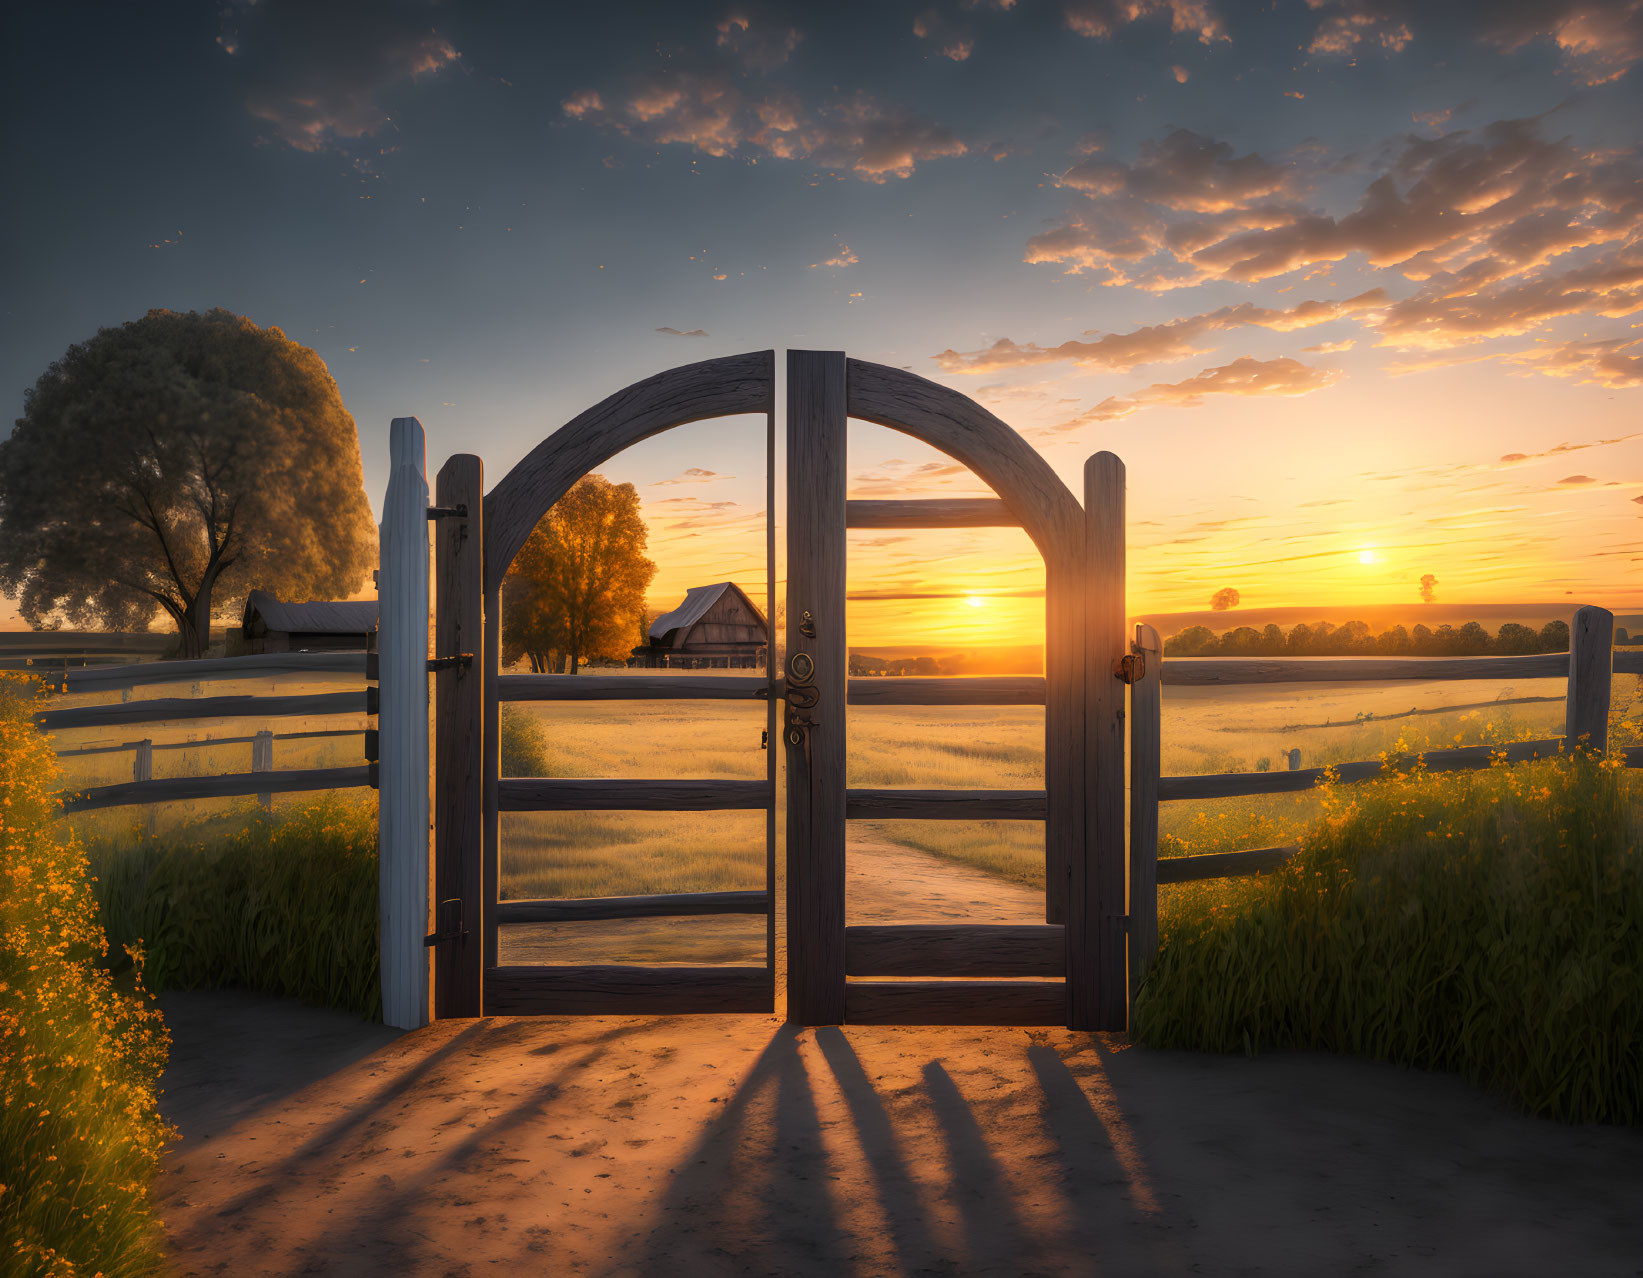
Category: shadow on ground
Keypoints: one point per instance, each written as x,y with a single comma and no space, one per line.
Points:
738,1145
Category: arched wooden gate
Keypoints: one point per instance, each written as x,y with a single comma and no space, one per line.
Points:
1075,961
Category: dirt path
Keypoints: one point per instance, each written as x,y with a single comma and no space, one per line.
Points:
689,1146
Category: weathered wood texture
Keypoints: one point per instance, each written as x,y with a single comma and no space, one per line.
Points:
1146,743
668,905
205,743
930,512
924,690
170,709
459,700
258,666
1229,785
581,794
142,773
1220,865
1035,496
228,786
1591,648
956,1002
945,805
955,949
626,991
1187,672
1628,662
402,672
712,388
491,791
816,406
73,642
262,760
1097,987
632,687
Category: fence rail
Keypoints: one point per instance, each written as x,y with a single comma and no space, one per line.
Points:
1588,667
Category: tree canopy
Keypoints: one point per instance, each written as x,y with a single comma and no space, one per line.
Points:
576,590
174,463
1355,639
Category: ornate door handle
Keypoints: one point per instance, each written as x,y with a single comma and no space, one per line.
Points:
802,695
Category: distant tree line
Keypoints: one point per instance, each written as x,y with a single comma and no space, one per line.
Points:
1355,639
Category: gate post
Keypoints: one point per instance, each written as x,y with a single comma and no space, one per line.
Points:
459,684
402,767
814,733
1591,660
1097,995
1146,746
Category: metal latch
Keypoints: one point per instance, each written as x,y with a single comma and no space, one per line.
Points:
448,919
448,512
1131,667
459,661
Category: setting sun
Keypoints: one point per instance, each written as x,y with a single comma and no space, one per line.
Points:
975,601
1366,556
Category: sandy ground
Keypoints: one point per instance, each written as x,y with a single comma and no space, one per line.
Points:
314,1143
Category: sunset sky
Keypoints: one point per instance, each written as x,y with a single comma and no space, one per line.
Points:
1354,287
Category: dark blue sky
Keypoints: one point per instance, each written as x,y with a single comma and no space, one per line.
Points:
483,214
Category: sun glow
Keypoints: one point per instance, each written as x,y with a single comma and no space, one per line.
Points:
975,601
1366,556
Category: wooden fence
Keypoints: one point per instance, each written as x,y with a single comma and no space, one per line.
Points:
262,779
1587,667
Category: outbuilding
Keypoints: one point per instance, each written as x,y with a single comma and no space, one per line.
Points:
716,626
343,625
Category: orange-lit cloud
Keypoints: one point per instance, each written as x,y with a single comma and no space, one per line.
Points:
1101,19
950,38
1156,343
757,46
316,73
1246,376
692,332
692,475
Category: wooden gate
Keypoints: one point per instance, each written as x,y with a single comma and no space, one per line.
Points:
1073,963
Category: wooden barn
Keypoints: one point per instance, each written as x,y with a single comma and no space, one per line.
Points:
715,626
331,626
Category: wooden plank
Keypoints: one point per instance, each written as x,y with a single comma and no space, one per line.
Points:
930,512
814,734
74,642
206,742
459,745
945,805
1234,784
1222,865
262,760
1628,661
668,905
1632,756
713,388
582,794
404,919
631,687
1197,672
1146,741
1591,649
927,690
955,949
491,797
956,1002
172,709
1097,985
232,785
254,666
627,991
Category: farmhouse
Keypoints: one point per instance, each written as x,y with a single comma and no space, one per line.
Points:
715,626
335,626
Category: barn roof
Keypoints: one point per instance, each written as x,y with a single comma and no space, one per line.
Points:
698,599
331,617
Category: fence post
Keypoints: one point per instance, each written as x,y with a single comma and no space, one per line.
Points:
1146,751
402,768
142,769
262,760
1591,661
1097,985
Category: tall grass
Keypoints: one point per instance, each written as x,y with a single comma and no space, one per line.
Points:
80,1054
1488,923
284,906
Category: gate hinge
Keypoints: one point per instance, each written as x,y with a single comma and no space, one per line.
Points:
1131,667
448,919
448,512
460,661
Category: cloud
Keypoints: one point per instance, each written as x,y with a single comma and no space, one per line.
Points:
758,47
694,332
897,477
1330,348
694,475
844,257
1616,362
1102,19
1246,376
1577,479
1181,74
1156,343
318,74
951,39
1511,459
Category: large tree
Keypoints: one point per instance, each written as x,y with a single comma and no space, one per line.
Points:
577,587
172,464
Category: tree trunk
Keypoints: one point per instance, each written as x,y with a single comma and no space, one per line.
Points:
573,661
195,626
